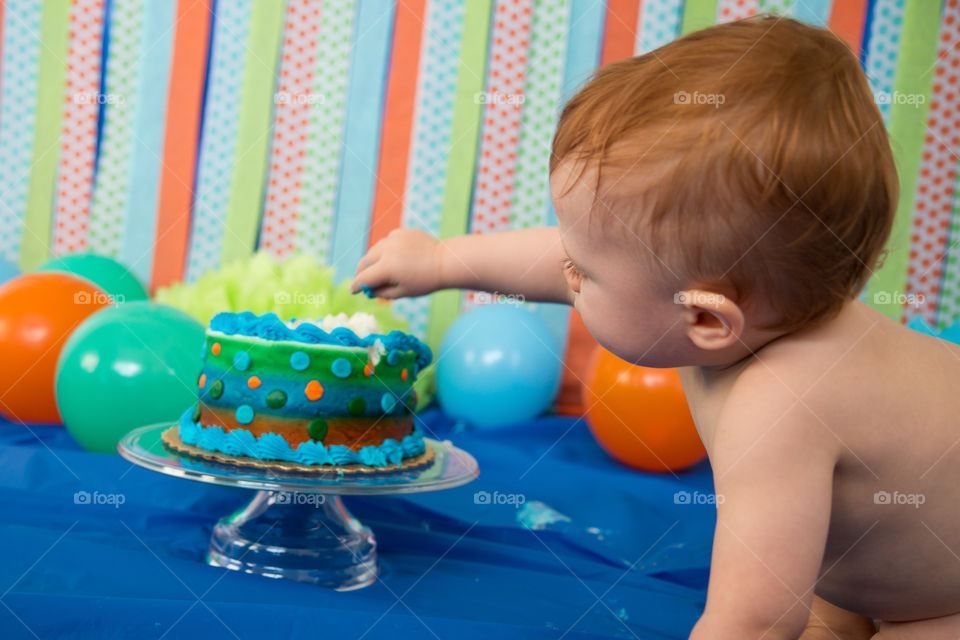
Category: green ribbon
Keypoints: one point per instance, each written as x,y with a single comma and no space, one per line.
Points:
467,116
51,87
908,128
256,113
698,14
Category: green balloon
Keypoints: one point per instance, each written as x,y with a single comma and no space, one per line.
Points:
106,273
127,366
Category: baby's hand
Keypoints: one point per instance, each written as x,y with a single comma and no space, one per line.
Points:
405,263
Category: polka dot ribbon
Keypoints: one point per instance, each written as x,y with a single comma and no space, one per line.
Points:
882,43
730,10
816,12
111,195
549,38
503,100
431,136
883,48
779,7
658,23
936,198
294,103
323,143
18,95
74,182
538,119
218,140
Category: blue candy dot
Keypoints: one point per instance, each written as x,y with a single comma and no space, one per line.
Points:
392,357
241,361
367,291
244,414
388,403
341,368
299,361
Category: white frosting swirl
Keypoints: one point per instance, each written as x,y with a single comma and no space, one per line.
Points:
362,324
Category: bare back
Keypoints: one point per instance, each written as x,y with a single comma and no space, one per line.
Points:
890,397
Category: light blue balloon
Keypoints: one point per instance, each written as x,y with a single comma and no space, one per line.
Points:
8,271
498,364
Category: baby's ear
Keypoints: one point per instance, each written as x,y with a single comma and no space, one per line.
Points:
711,320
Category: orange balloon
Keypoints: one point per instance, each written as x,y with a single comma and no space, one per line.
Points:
640,415
38,312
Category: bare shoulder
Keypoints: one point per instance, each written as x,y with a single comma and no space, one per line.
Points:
857,376
769,416
804,387
859,353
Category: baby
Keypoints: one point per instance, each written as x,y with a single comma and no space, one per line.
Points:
721,201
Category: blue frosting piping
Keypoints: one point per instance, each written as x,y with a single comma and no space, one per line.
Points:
272,446
270,327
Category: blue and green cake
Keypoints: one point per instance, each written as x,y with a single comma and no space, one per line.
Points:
311,395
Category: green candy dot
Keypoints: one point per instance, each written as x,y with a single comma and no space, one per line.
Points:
276,399
356,406
317,429
216,389
196,413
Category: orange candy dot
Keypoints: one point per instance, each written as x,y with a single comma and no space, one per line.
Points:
368,370
314,390
203,380
403,375
215,349
253,382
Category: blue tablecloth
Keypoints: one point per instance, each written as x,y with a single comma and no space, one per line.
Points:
623,556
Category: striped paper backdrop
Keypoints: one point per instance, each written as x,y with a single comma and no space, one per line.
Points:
19,64
178,135
78,140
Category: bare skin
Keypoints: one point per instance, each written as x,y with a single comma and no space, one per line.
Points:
836,447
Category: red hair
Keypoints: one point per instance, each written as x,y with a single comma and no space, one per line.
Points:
750,155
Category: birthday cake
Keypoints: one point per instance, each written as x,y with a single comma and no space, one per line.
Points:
316,395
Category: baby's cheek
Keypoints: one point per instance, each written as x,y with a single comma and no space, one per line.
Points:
618,328
595,311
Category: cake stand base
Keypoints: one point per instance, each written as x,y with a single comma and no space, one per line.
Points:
296,526
308,537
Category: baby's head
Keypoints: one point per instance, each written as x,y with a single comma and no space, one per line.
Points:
730,187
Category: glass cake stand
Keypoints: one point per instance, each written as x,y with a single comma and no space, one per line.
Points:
296,526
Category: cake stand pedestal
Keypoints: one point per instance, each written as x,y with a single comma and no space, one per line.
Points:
296,526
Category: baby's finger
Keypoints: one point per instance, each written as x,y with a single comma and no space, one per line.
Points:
367,261
370,277
389,292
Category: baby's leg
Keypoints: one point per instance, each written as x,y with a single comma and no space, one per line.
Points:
945,628
828,622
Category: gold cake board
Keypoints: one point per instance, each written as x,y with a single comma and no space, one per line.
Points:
171,438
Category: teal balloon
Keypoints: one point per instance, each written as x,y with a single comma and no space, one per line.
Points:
127,366
950,334
106,273
498,364
8,271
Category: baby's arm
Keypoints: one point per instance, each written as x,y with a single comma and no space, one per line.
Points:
773,470
409,262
